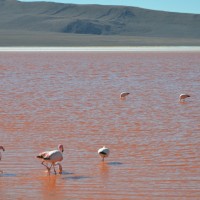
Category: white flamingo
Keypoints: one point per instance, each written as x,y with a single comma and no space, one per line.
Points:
182,97
104,152
52,157
123,95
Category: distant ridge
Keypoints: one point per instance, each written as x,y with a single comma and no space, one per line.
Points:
57,19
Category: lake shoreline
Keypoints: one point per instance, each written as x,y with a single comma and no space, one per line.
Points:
101,49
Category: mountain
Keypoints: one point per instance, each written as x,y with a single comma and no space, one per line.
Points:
56,20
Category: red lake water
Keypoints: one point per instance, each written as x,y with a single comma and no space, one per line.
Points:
72,98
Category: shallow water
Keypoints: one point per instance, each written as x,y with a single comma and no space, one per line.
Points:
72,98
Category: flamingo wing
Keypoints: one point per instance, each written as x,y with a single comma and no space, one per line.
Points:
54,156
103,151
42,155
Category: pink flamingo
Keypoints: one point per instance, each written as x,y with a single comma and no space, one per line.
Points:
52,157
182,97
123,95
1,147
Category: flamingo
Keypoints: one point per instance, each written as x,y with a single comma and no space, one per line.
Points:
1,147
52,157
104,152
123,95
182,97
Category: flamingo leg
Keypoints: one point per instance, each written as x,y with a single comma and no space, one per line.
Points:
48,168
54,168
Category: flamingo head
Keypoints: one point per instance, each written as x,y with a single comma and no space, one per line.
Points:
60,147
60,168
1,147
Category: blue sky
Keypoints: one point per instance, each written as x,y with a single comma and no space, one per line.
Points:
184,6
